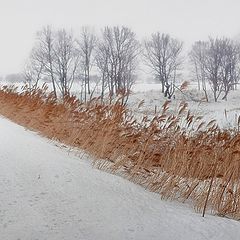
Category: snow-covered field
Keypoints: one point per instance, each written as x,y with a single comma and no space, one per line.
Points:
47,192
226,113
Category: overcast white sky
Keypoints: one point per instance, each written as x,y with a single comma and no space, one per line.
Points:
188,20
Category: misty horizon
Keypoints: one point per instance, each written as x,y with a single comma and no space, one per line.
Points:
188,21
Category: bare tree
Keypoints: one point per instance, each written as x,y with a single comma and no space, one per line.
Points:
44,54
34,69
32,74
86,45
229,67
197,58
117,59
162,55
54,56
218,62
66,61
102,62
212,65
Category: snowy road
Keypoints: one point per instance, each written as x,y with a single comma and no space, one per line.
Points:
46,193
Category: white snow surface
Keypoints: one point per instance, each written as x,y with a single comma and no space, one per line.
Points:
47,192
225,113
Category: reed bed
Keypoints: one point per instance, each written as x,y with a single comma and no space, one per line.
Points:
176,155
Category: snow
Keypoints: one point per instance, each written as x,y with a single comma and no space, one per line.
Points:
225,113
49,192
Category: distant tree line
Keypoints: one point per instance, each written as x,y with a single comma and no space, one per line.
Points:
63,59
216,61
113,56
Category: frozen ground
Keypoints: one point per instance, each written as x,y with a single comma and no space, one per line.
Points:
48,193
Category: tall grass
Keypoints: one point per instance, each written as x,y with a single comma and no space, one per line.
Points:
178,156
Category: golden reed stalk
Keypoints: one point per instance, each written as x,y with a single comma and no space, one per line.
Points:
178,156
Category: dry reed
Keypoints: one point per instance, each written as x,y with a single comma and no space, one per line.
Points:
178,156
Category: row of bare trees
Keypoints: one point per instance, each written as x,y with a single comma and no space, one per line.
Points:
54,57
59,57
114,55
217,62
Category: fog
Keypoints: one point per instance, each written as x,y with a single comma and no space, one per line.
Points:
188,20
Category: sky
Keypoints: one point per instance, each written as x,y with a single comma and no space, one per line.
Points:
187,20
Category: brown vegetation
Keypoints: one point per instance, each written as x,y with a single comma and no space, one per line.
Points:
178,156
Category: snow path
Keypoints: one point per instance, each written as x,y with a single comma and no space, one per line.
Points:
46,193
